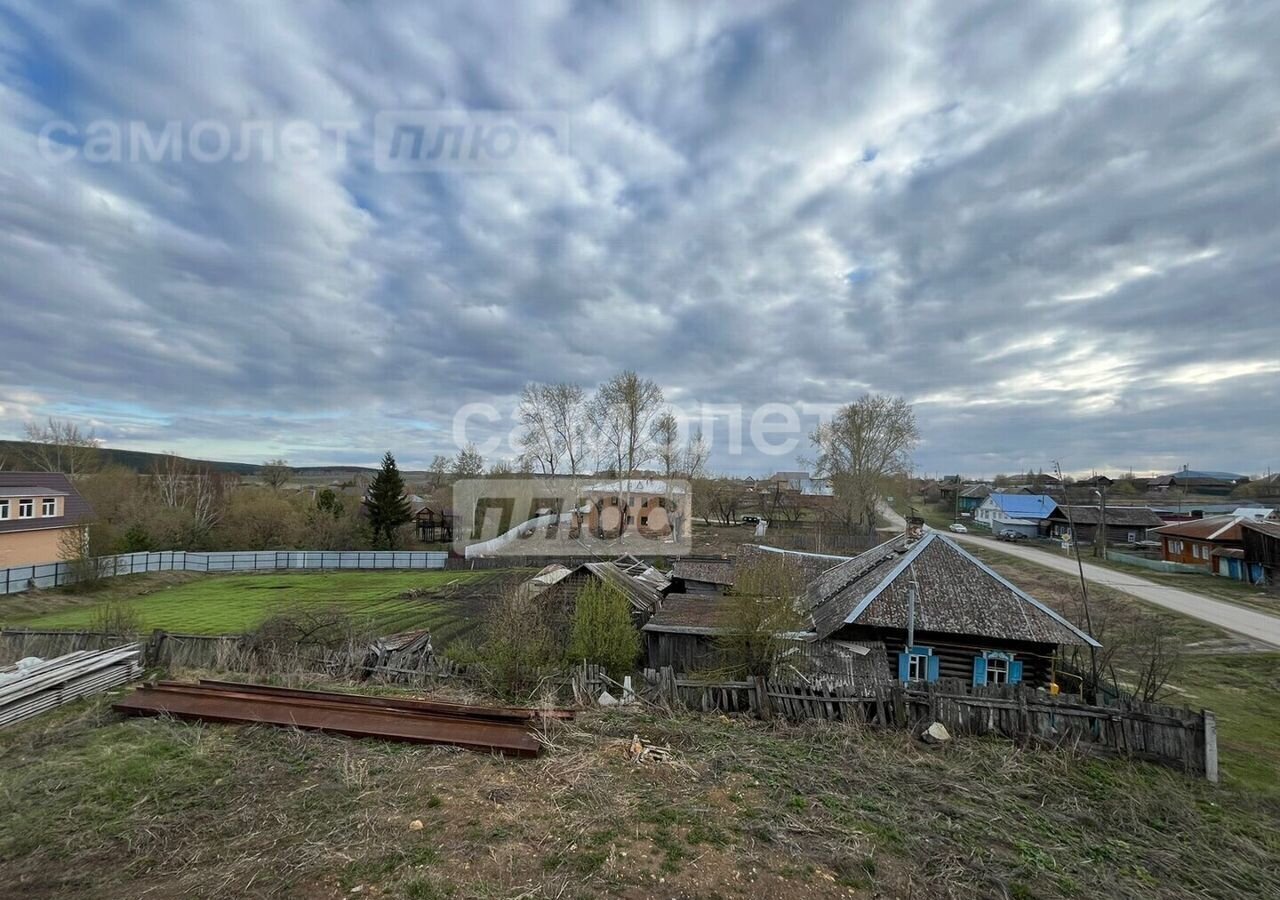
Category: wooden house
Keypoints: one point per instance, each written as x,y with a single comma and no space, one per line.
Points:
919,607
1125,524
940,613
641,584
1215,543
1261,552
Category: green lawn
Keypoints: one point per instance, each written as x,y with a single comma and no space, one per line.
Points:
232,604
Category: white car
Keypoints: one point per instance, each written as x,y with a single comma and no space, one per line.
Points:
958,528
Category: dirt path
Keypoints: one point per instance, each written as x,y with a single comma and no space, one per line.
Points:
1256,625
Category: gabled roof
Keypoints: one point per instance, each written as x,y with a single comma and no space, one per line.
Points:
1210,528
958,594
643,591
75,509
1022,506
979,491
1120,516
1271,529
811,565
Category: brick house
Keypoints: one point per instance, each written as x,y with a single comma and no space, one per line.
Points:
37,512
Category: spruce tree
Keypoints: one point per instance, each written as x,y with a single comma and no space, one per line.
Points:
386,503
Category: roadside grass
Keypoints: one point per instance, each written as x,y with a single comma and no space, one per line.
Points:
1215,586
232,604
1239,683
92,805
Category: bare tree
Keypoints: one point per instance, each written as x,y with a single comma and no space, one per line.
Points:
865,445
666,443
468,463
275,473
438,471
193,487
622,414
60,446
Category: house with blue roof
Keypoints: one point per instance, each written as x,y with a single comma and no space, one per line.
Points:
1023,513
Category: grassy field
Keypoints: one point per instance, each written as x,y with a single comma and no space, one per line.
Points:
94,806
1239,682
230,604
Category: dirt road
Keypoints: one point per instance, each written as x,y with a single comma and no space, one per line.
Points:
1256,625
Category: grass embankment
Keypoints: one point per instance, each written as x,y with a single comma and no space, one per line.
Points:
232,604
93,806
1216,671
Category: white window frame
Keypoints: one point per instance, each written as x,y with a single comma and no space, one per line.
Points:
29,504
917,667
997,665
4,509
48,507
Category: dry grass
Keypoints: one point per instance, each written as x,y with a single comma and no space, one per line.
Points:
93,806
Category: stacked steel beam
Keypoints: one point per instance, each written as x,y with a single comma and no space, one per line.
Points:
507,730
32,687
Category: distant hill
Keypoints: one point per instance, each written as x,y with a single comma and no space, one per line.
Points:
14,452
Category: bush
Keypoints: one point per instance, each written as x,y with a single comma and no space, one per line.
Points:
603,632
763,609
520,644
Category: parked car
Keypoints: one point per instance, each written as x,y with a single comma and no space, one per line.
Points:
1010,535
750,520
959,529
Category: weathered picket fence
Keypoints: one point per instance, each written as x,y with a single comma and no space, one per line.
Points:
1168,735
240,653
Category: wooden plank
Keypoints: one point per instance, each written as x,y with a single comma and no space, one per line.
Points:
1210,746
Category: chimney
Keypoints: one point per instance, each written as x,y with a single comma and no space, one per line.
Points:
1197,513
915,528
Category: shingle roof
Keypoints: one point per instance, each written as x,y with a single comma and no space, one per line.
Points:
979,491
713,570
75,509
811,565
957,594
1023,506
692,614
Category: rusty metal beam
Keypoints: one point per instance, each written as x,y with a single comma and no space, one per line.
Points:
190,702
412,704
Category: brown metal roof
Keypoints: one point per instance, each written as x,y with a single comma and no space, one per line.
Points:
75,508
1225,529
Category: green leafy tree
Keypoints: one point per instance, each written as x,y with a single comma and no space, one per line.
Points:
603,632
386,503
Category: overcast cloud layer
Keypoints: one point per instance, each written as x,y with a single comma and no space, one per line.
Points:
1055,227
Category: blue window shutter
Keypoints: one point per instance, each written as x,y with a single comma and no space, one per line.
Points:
1015,672
904,666
979,670
933,668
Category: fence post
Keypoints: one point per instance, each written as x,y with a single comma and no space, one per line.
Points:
1210,745
899,696
762,698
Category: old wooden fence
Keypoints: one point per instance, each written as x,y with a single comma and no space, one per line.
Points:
1168,735
235,653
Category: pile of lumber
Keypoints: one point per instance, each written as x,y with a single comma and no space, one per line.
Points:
506,730
33,686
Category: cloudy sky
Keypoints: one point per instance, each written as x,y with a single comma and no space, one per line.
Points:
1054,227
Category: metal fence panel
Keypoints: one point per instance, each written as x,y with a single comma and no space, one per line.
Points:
17,579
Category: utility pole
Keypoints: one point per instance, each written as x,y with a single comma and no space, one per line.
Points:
1100,536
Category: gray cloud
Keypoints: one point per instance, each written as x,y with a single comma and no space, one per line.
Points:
1054,227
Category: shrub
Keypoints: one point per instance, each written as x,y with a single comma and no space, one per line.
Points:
602,629
763,609
519,642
